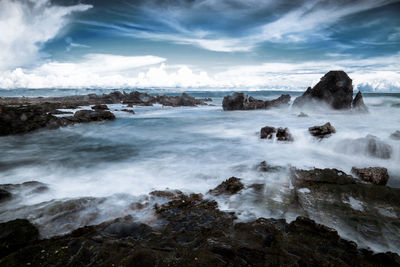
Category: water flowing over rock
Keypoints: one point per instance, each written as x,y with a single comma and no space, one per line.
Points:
92,115
194,231
230,186
374,175
358,103
100,107
395,135
240,101
302,115
322,131
281,134
334,89
369,145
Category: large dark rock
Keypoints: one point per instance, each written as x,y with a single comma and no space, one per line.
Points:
267,132
4,195
334,89
193,231
358,103
322,131
230,186
240,101
374,175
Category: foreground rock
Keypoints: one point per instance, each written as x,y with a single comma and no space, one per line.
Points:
193,232
240,101
375,175
334,89
323,131
281,134
365,213
358,103
369,145
230,186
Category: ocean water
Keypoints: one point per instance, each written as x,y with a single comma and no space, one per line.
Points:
102,168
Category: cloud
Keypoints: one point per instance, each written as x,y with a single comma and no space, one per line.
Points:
26,25
381,74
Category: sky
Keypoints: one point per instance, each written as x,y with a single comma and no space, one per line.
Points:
198,44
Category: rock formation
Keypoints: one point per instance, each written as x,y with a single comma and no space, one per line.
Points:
240,101
322,131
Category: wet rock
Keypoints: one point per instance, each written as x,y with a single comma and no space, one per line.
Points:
92,115
168,194
302,115
334,89
369,145
265,167
100,107
395,135
4,195
267,132
177,101
230,186
322,131
396,105
358,103
59,112
138,98
128,110
240,101
283,134
15,235
374,175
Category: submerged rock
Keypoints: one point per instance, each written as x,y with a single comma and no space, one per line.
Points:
369,145
4,195
93,115
395,135
128,110
358,103
322,131
240,101
334,89
374,175
100,107
230,186
265,167
302,115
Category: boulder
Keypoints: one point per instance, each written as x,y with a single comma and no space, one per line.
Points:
358,103
395,135
374,175
283,134
93,115
240,101
267,132
100,107
334,89
230,186
322,131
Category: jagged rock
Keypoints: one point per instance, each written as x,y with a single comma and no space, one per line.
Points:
240,101
93,115
283,134
267,132
100,107
374,175
369,145
322,131
4,195
302,115
358,103
193,230
395,135
128,110
230,186
335,89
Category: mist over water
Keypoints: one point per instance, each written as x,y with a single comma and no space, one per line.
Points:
111,165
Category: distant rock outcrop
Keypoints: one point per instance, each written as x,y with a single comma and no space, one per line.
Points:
334,89
240,101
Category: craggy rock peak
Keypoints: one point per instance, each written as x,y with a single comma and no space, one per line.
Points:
366,213
240,101
322,131
335,89
281,134
374,175
193,232
358,103
24,119
230,186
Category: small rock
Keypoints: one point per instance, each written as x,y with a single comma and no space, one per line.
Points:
283,134
230,186
322,131
267,132
100,107
4,195
265,167
395,135
128,110
374,175
302,115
